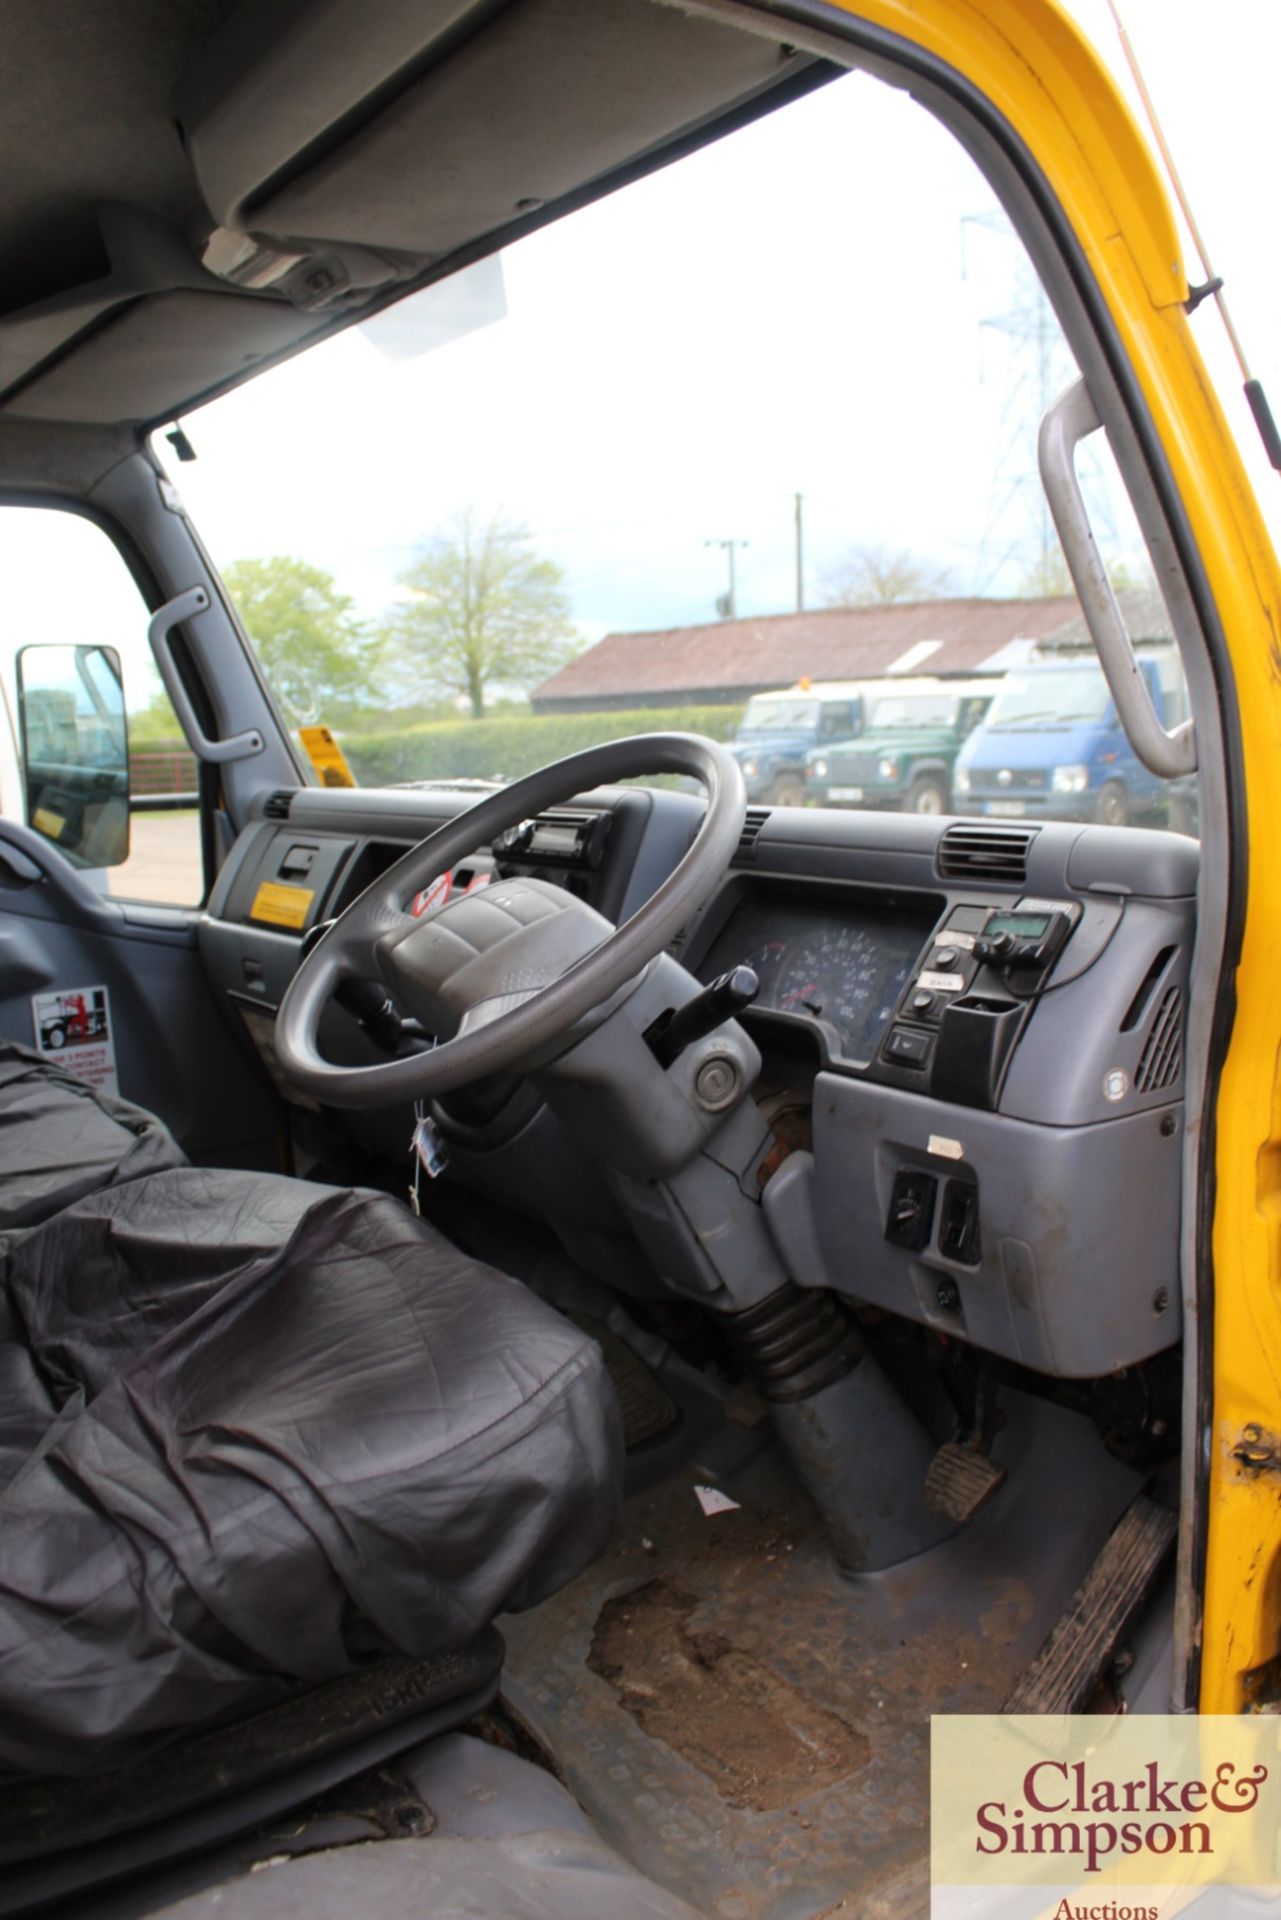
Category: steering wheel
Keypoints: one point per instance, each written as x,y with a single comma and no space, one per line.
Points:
512,972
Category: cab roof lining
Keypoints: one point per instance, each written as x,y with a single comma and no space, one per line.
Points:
446,130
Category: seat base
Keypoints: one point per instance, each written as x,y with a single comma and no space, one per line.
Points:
58,1837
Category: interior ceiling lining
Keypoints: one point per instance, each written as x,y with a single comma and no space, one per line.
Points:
553,103
89,116
553,94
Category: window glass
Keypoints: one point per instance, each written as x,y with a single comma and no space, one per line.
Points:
1050,697
923,710
740,434
777,715
67,585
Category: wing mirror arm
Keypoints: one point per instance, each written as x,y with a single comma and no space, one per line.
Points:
183,606
1068,421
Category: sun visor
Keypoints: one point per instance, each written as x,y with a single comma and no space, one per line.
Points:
496,113
150,359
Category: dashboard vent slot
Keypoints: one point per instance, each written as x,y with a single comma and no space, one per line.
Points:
985,853
752,824
1161,1061
276,806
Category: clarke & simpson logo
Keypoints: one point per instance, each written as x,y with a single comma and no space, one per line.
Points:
1072,1818
1152,1812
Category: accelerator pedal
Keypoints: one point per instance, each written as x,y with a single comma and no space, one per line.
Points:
1067,1670
960,1481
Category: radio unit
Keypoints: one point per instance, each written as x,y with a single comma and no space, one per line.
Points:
563,837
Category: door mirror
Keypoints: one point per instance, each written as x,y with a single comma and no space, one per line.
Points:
75,751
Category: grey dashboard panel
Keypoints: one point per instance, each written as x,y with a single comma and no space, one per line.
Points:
1065,1274
1108,1038
910,849
1061,1272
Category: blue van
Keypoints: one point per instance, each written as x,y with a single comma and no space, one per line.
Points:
1052,748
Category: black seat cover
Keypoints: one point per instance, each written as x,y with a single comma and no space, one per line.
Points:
255,1432
59,1139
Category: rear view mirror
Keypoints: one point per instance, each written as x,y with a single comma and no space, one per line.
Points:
75,751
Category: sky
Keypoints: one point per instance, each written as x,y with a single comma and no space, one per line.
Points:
829,302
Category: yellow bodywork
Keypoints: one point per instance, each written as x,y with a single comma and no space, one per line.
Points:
1031,61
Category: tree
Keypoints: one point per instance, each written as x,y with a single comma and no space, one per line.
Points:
880,576
1046,576
314,651
481,610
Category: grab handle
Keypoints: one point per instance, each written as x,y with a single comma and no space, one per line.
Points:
238,746
1067,422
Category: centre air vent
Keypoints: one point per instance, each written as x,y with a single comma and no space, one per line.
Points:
755,819
981,852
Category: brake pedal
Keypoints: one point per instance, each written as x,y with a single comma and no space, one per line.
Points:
960,1482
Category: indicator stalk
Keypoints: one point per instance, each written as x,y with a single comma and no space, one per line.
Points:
721,1000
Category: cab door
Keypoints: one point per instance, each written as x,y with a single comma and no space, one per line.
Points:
102,845
1035,104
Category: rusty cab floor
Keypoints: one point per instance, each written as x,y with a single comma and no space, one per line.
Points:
751,1728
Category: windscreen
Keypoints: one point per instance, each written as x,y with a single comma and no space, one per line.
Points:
1050,697
924,710
651,474
777,716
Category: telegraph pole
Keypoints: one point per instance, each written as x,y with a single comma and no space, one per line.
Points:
799,500
727,607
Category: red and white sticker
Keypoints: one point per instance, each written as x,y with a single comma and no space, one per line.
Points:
74,1028
431,896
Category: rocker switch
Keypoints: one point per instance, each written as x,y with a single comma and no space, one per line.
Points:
959,1231
911,1216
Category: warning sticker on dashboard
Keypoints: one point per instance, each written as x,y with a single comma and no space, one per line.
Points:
282,906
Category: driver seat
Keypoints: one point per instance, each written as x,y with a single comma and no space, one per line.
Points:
256,1434
61,1139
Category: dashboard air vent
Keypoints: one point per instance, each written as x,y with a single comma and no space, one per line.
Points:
755,820
980,852
1161,1061
276,806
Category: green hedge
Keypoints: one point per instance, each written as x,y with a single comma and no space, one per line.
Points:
507,747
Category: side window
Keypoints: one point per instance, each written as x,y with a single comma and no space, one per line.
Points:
66,585
837,722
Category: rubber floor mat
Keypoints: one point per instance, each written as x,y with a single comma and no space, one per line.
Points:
751,1729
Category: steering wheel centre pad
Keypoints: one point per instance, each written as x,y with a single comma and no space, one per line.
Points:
507,980
488,952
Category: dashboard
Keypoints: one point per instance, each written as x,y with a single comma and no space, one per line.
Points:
983,1022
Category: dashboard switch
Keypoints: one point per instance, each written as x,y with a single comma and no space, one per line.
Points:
911,1216
908,1045
922,1002
959,1225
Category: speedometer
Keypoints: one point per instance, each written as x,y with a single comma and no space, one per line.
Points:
848,975
841,969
